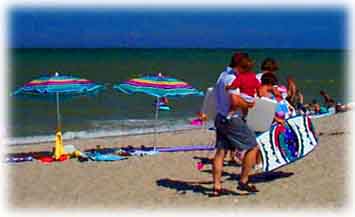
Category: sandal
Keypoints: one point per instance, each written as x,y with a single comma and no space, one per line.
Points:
247,187
218,192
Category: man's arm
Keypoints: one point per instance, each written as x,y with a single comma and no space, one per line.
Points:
238,102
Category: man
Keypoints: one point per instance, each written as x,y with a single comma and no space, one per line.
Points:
233,133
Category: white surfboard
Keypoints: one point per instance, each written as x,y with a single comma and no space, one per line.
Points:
209,104
260,117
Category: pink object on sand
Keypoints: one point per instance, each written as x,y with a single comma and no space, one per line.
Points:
196,122
199,165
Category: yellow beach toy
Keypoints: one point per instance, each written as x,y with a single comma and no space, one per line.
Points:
59,147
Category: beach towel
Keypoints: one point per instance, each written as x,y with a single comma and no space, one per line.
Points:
143,153
96,156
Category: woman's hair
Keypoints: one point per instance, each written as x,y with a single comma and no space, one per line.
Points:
269,79
270,65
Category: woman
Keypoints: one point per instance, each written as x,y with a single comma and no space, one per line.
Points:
269,65
294,95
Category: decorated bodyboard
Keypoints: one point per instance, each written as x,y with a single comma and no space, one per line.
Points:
260,117
284,144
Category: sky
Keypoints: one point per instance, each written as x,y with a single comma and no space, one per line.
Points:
322,28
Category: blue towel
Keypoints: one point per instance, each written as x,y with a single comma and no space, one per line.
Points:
96,156
14,159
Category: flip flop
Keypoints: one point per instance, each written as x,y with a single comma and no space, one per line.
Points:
247,187
219,192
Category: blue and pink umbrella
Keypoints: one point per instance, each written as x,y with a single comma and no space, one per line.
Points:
158,86
56,86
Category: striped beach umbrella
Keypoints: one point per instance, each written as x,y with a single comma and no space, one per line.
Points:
158,86
57,86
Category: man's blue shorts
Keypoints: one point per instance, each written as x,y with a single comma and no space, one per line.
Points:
233,134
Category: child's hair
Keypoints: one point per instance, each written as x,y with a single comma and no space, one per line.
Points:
269,79
242,60
270,65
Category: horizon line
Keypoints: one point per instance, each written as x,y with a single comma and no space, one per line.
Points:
207,48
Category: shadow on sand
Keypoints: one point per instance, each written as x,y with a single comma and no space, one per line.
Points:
258,177
184,186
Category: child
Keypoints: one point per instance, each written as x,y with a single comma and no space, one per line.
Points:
283,110
199,121
247,83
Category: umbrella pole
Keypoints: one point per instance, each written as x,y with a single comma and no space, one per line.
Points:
156,122
58,113
59,148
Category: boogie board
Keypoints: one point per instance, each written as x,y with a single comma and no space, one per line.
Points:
259,118
209,104
284,144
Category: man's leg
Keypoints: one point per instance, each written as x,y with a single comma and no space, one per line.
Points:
218,167
248,163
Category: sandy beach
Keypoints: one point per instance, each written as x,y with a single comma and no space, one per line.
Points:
321,180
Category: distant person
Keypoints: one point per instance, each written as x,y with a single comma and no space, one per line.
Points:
316,108
343,107
268,65
294,95
200,120
328,101
163,101
299,101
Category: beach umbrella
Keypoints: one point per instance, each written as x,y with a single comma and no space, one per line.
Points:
157,86
56,87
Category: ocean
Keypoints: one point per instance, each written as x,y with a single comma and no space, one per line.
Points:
111,113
